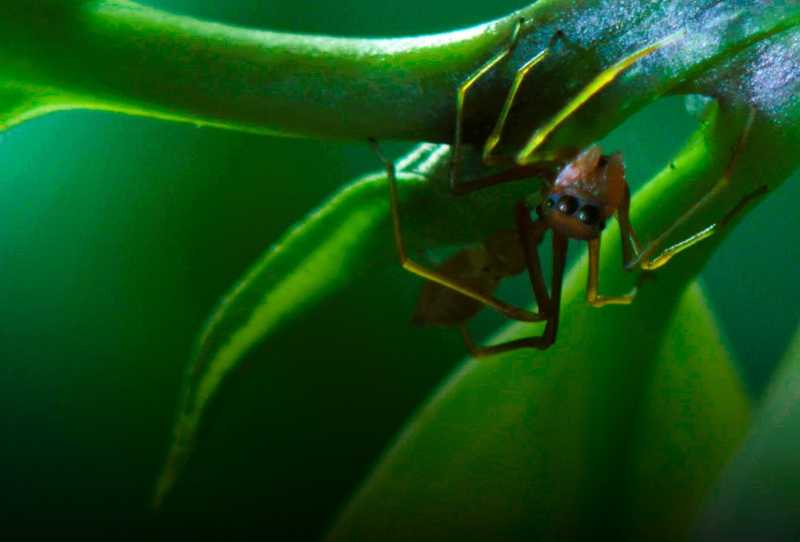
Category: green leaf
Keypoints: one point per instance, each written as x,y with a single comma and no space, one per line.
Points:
334,245
331,248
18,105
619,430
575,438
351,231
312,260
759,495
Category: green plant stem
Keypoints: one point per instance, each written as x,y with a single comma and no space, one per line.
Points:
119,56
116,55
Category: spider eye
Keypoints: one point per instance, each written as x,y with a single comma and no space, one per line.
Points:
549,202
589,215
567,205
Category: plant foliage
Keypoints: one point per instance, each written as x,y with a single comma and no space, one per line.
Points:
523,444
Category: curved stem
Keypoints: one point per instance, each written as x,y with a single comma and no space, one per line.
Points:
119,56
116,55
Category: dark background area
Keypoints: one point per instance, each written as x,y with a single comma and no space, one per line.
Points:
117,237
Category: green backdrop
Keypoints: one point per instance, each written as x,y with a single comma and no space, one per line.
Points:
117,237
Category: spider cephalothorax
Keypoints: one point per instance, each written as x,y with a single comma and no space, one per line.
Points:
585,194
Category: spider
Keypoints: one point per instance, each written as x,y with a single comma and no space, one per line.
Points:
580,194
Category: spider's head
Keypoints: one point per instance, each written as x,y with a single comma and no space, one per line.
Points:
585,194
573,215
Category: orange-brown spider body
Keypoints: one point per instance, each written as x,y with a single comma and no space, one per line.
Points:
585,194
482,268
576,203
579,198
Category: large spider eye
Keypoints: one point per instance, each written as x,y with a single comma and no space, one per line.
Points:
567,205
588,215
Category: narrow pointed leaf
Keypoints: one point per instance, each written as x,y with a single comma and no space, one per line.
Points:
347,237
319,254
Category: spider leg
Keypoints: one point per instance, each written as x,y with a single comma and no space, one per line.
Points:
538,169
510,311
649,262
494,137
545,170
455,159
705,233
594,298
548,337
497,132
630,242
531,234
601,81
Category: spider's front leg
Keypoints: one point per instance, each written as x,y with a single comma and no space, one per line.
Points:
630,250
517,172
531,235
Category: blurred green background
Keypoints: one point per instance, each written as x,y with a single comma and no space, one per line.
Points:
117,237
